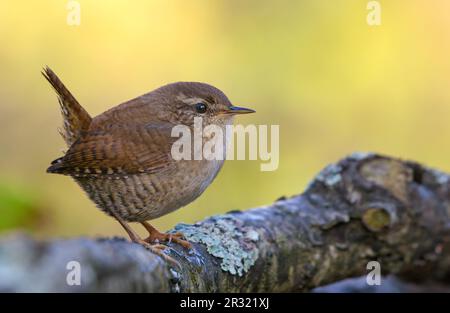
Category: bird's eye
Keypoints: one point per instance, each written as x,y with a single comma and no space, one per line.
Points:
201,108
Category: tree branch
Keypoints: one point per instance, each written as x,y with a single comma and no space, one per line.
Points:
364,208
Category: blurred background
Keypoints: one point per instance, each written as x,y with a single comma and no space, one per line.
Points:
333,83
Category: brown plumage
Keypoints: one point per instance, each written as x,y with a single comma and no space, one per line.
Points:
122,157
76,119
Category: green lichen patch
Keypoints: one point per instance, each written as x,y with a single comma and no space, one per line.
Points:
360,155
440,177
226,238
330,175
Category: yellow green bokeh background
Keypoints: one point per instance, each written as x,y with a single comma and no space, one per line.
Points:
333,83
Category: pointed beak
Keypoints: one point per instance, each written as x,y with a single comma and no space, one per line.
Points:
238,110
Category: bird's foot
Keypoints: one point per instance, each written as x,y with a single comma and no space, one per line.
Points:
158,250
158,237
155,248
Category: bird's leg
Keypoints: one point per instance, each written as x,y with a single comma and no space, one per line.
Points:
157,236
156,248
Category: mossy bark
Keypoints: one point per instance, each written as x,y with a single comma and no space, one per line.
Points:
364,208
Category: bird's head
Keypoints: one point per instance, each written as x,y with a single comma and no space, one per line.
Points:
187,100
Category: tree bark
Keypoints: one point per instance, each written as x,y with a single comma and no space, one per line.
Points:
364,208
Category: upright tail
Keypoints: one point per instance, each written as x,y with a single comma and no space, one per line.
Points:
76,119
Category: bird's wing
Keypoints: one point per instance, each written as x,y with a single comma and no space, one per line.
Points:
118,151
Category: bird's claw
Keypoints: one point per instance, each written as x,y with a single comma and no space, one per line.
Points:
157,237
158,250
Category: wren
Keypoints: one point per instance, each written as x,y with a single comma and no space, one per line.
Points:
122,157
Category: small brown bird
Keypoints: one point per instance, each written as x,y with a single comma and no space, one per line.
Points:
122,157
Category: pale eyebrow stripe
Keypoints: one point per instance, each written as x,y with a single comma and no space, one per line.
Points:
189,100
